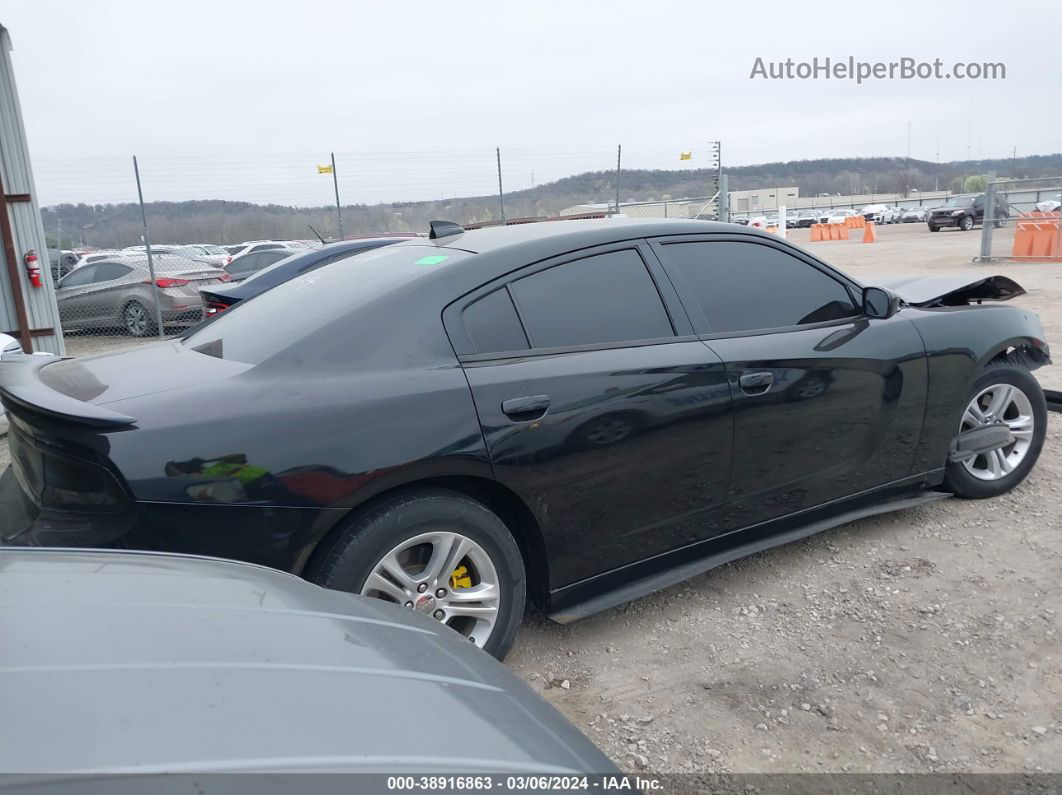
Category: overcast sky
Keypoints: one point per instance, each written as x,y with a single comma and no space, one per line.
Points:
243,100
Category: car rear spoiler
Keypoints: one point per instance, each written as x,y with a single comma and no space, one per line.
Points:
20,385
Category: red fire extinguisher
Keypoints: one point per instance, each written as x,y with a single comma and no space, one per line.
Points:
33,268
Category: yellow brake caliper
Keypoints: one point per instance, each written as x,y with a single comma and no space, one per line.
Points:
460,579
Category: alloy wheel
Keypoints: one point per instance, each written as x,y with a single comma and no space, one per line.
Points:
1006,404
444,575
136,320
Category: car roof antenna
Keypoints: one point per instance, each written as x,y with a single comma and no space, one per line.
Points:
444,229
318,235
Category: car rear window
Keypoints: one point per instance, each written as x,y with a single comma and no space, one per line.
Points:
283,317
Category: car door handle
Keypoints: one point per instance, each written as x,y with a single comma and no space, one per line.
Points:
756,383
524,409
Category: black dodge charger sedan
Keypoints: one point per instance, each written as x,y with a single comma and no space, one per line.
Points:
582,411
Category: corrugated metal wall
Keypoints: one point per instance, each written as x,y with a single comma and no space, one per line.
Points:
17,177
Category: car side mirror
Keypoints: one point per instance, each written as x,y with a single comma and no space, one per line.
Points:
879,303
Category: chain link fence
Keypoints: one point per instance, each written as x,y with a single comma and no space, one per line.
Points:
211,220
1026,221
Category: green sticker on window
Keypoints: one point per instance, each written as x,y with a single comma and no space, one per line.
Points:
433,260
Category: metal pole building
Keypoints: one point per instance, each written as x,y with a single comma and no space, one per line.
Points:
26,312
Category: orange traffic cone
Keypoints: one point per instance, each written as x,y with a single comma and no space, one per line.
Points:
869,235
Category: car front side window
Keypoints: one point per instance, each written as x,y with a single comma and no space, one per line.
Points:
750,286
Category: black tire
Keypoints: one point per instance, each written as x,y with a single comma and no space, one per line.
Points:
957,479
933,228
345,561
966,223
137,320
999,224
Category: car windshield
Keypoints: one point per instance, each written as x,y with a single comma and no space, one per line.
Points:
290,312
213,249
959,201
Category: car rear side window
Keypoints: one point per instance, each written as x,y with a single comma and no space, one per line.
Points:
109,271
751,286
493,325
600,299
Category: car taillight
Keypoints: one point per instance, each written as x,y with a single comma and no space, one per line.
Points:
228,260
163,281
225,277
61,481
213,307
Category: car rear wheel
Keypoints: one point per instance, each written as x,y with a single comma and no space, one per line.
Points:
1005,394
136,320
436,552
967,223
933,228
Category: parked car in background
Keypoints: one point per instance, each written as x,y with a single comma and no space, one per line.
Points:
102,254
182,664
838,216
255,246
249,263
218,299
409,426
1051,204
204,252
741,219
964,212
61,262
160,248
117,293
806,218
912,215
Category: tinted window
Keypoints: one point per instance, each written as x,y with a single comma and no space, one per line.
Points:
746,286
493,325
607,298
109,271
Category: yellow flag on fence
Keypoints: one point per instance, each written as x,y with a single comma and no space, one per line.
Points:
685,155
324,169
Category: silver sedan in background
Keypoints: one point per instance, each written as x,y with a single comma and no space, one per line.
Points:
117,293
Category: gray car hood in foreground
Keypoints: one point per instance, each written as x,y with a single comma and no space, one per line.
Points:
950,289
142,662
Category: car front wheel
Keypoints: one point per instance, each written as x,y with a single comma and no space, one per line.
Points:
967,223
933,228
1005,394
439,553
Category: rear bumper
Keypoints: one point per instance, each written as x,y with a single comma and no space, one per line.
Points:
277,537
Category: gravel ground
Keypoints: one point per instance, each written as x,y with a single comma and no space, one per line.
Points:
927,640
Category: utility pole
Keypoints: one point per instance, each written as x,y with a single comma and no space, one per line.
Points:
335,184
147,245
619,155
501,193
